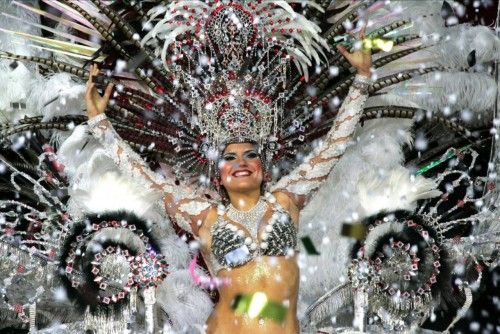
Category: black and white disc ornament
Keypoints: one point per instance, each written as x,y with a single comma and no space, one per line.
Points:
399,263
109,255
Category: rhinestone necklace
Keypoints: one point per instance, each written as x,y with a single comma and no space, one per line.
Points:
250,219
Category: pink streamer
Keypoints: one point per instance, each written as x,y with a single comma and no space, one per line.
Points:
206,282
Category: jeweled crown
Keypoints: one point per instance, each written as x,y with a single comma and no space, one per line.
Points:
233,61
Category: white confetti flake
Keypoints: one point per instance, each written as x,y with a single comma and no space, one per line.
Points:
421,143
333,71
60,294
121,65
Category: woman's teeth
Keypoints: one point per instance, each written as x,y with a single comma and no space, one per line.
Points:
241,173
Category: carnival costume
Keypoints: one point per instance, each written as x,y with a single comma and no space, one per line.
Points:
87,239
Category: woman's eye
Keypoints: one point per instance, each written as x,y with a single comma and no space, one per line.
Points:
252,155
229,157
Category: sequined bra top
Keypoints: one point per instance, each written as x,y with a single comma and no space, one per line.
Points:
234,244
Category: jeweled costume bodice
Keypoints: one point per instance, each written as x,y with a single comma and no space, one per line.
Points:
238,240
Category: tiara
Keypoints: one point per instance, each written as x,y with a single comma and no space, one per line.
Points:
233,61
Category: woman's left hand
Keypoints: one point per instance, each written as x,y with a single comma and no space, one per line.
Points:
361,59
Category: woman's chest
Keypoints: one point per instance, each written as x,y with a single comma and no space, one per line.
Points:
235,240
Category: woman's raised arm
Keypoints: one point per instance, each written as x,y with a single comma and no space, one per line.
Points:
184,205
304,180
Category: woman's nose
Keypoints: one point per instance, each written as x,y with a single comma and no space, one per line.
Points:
241,160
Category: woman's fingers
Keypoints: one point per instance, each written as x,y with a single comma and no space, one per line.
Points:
108,91
343,51
90,87
362,32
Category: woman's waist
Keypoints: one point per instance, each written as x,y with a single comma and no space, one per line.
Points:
254,312
223,322
267,272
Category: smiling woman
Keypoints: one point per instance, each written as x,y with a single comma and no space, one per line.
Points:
241,173
252,242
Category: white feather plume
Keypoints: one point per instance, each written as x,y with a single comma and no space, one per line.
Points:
377,151
393,191
185,303
67,97
16,83
443,92
174,23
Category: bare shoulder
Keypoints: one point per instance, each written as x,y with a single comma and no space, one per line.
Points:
207,223
283,199
288,204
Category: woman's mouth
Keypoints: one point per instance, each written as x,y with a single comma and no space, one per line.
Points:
242,173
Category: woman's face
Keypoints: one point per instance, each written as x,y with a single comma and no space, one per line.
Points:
240,168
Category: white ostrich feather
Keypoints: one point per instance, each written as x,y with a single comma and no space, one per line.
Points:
175,250
185,303
445,91
377,150
393,191
451,49
109,191
57,96
77,149
16,83
14,87
97,185
459,41
310,41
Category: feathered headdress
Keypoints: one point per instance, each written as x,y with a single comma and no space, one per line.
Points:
232,61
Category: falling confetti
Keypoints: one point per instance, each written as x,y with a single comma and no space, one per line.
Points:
309,246
356,231
258,305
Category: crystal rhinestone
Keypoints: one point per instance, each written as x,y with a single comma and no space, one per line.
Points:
263,245
241,233
269,228
264,236
248,241
253,246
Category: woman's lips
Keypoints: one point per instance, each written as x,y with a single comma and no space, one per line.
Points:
242,173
